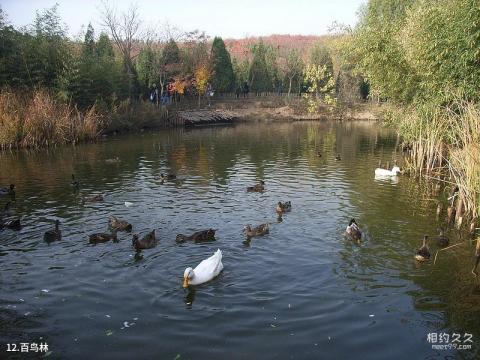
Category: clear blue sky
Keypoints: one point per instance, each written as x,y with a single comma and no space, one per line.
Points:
217,17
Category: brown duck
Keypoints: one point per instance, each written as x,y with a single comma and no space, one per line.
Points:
4,191
147,242
98,238
199,236
94,198
119,225
167,177
259,230
257,188
54,234
284,207
13,224
442,239
423,254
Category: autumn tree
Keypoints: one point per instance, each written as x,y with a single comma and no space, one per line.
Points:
202,77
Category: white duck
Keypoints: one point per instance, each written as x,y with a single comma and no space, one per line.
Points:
384,172
205,271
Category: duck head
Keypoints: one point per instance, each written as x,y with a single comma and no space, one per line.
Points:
262,182
134,240
352,221
180,238
396,170
211,232
425,241
57,224
187,275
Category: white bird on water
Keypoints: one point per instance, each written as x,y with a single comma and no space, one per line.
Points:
384,172
205,271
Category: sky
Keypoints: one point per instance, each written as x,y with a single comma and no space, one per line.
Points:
225,18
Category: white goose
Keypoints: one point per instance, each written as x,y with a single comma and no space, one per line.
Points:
205,271
384,172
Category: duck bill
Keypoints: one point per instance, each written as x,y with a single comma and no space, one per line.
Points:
185,282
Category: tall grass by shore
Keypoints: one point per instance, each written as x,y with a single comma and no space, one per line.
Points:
37,119
444,142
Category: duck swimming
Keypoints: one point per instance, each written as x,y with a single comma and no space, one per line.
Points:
167,177
384,172
353,231
284,207
423,254
7,210
199,236
115,160
98,238
257,188
74,183
259,230
337,157
94,198
4,191
207,270
119,225
147,242
54,234
442,239
14,224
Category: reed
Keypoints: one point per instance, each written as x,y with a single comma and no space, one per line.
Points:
37,119
464,157
445,142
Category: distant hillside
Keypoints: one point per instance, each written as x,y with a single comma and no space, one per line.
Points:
239,48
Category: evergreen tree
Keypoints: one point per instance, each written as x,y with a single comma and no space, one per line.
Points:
145,68
260,79
89,42
104,47
223,77
171,53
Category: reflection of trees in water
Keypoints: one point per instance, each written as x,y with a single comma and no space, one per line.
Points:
211,152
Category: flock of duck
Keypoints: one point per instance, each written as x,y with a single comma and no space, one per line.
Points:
203,272
209,268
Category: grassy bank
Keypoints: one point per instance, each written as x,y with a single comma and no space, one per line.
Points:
444,143
37,119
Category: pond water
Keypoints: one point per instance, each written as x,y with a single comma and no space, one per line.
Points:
301,292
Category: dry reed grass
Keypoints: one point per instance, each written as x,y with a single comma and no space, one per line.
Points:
38,119
445,142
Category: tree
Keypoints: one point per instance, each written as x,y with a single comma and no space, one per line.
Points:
259,76
104,47
292,67
168,64
241,71
377,53
46,54
223,77
145,65
195,51
125,29
89,42
320,55
202,77
319,79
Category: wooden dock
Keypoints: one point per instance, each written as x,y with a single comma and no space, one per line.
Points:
191,118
